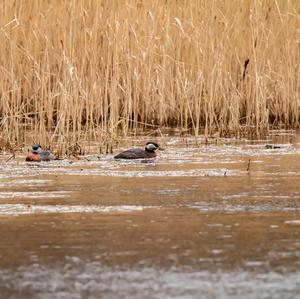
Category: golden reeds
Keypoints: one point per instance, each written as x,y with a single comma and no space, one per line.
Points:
92,70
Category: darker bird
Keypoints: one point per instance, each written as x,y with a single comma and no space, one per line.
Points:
37,154
139,153
272,146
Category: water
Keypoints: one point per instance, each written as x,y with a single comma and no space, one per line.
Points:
194,223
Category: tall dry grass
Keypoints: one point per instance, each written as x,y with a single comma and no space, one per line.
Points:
94,70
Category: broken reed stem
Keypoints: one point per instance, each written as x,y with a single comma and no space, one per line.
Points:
10,158
248,166
74,71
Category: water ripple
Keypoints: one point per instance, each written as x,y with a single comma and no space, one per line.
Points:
21,209
76,280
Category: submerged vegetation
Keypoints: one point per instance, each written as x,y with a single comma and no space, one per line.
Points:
74,71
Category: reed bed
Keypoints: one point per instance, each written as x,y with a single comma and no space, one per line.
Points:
74,71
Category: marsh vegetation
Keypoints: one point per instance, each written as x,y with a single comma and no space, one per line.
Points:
73,71
211,216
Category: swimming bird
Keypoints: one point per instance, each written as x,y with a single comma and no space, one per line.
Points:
272,146
139,153
37,154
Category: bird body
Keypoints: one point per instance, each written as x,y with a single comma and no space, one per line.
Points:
37,154
139,153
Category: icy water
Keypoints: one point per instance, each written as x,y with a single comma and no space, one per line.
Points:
193,223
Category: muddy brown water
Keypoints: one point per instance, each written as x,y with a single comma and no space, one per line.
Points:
194,223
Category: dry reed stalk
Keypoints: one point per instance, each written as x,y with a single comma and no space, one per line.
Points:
78,70
248,165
